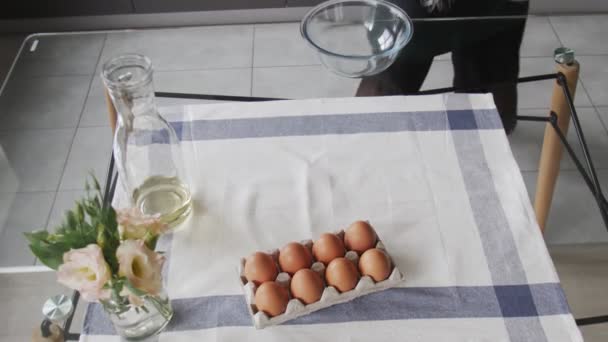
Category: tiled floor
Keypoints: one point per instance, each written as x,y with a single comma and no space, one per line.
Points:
55,128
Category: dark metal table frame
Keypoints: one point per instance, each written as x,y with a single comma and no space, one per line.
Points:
586,169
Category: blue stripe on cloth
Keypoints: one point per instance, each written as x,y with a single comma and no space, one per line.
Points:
515,301
282,126
392,304
495,234
333,124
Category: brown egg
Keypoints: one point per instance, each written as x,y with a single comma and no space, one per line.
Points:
376,264
307,286
359,237
293,257
259,268
342,274
271,298
327,248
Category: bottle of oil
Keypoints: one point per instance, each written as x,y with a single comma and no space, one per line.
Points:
146,147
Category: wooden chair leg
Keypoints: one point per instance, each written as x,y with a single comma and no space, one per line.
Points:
552,148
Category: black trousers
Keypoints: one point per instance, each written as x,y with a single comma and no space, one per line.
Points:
485,52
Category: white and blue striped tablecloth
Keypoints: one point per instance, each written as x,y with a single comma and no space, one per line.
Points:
433,174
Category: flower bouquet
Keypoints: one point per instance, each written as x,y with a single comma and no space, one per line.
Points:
108,256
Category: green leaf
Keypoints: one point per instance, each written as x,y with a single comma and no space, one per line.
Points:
71,221
108,244
50,254
91,210
96,183
47,258
97,202
36,236
79,212
150,240
86,224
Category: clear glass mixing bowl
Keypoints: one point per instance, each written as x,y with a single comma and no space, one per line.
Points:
357,38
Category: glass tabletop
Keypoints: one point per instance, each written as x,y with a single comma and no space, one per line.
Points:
55,128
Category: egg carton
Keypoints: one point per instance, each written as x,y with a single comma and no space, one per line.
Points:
331,296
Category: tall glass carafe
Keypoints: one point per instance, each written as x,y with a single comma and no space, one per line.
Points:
146,147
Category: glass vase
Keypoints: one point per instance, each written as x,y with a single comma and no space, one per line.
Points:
146,147
139,322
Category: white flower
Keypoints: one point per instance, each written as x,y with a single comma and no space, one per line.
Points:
133,224
86,271
140,265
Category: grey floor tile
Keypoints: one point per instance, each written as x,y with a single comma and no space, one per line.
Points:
81,45
34,159
23,295
186,48
538,94
594,75
43,102
235,82
57,55
301,82
441,75
219,81
95,112
574,216
595,333
586,34
28,212
583,272
526,140
281,45
539,38
9,179
64,201
603,112
90,152
444,57
35,67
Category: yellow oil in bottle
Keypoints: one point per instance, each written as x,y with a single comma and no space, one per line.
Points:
167,196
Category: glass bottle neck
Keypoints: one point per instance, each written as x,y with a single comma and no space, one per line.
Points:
128,79
134,102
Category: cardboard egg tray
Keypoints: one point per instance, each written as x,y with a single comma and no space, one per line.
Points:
330,296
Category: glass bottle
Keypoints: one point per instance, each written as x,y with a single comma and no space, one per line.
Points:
139,322
146,147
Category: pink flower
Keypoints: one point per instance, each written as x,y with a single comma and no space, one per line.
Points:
140,265
133,224
86,271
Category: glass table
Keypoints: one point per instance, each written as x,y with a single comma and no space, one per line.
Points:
55,111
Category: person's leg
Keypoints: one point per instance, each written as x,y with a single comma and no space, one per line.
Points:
487,53
493,61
